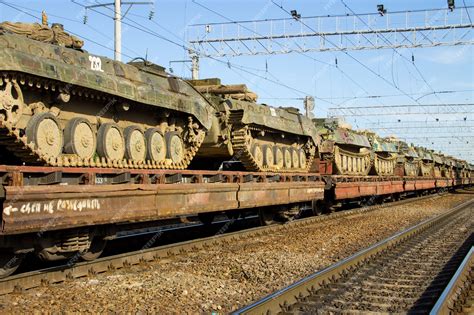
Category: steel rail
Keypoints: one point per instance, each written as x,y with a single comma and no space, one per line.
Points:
454,296
284,298
33,279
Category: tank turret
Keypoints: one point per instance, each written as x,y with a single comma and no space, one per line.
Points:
347,150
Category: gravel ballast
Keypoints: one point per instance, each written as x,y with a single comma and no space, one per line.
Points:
224,279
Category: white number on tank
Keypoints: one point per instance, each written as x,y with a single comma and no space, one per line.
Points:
96,63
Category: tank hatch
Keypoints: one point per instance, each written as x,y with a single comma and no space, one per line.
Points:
147,66
234,91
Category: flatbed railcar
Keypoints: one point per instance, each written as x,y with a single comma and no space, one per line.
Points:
57,213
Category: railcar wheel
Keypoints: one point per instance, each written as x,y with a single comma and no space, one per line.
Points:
11,101
110,143
44,131
95,249
268,157
9,262
156,145
279,159
175,147
79,138
267,217
135,144
257,154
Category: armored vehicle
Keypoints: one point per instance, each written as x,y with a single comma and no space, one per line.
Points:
408,159
384,157
438,164
347,149
262,137
62,106
426,162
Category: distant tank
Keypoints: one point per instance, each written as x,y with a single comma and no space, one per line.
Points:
426,162
384,157
347,149
408,160
438,164
449,169
262,137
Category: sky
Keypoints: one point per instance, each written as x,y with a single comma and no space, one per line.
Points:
285,79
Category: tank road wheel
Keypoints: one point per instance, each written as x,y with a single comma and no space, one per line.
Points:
278,154
11,101
287,158
95,249
79,138
135,145
302,158
257,154
268,157
110,143
44,131
156,145
9,262
174,147
295,158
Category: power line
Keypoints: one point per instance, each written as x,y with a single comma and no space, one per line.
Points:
395,50
73,33
229,64
349,55
279,44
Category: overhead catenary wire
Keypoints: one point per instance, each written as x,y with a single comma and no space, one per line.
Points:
278,43
149,31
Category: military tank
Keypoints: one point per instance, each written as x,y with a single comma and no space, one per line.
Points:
62,106
438,164
407,159
346,149
384,157
263,138
426,162
449,165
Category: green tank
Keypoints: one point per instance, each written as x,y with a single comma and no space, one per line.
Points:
384,157
262,137
407,159
347,150
438,164
62,106
426,162
449,169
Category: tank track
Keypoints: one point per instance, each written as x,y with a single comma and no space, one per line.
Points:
240,146
339,153
12,141
384,166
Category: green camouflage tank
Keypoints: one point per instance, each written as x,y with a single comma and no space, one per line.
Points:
63,106
262,137
347,149
384,158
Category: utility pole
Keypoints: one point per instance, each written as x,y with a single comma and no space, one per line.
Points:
118,31
118,20
194,67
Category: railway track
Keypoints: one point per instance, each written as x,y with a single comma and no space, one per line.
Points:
403,273
75,269
458,296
